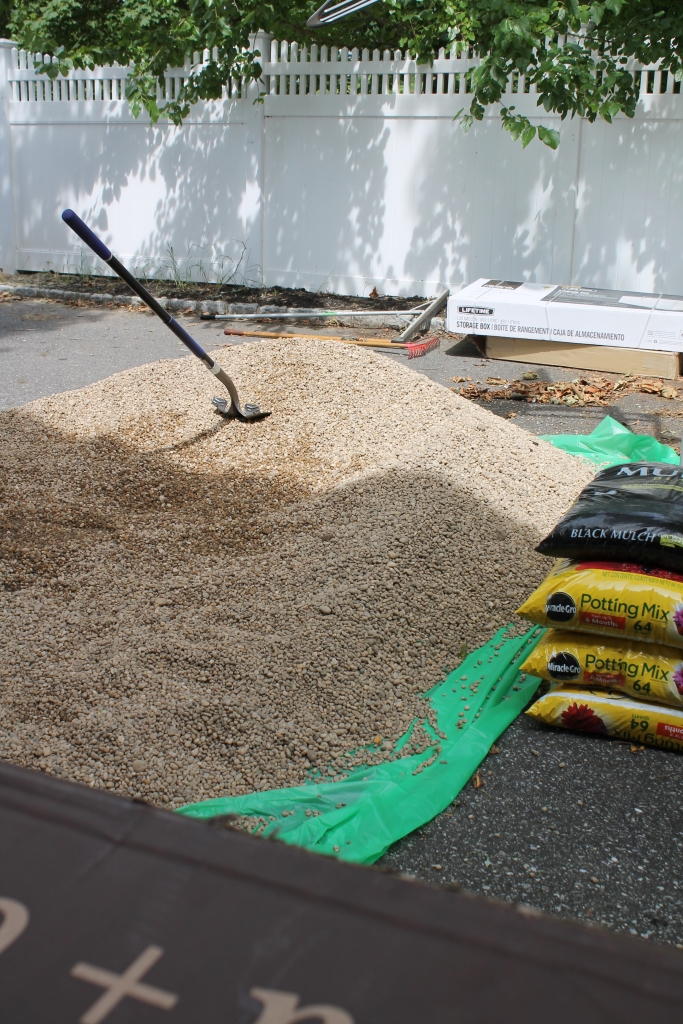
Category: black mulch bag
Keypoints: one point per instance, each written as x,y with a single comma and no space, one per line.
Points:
628,513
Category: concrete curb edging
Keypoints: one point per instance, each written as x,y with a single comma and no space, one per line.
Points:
204,306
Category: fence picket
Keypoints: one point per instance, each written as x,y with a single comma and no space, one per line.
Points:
268,75
375,76
313,79
283,60
334,77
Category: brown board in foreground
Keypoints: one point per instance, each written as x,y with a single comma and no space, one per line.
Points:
638,362
115,912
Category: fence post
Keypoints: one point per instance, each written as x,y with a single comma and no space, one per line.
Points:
8,241
261,41
256,142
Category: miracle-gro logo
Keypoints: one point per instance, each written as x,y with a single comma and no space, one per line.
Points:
560,607
564,665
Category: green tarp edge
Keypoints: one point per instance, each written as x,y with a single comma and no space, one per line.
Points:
360,817
611,443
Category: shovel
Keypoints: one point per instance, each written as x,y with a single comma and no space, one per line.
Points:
232,410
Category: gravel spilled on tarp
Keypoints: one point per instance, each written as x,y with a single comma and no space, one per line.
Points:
192,607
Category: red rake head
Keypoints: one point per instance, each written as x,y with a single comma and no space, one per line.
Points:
415,349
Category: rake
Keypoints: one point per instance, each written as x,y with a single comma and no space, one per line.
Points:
232,410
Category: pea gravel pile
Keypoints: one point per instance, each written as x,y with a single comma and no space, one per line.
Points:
192,607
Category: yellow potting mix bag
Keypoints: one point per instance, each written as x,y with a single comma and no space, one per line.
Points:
612,599
611,714
650,672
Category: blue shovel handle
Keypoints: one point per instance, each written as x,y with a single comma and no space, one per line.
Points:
250,413
98,246
88,236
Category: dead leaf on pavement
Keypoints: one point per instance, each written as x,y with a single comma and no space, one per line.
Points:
595,390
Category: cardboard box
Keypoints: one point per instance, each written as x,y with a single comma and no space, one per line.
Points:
568,313
639,362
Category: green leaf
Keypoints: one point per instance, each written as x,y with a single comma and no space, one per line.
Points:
549,136
528,133
597,12
51,70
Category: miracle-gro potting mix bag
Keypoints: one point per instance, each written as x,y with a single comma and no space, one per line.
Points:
649,672
607,713
612,599
628,513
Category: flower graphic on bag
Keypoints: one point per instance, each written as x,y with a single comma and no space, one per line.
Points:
678,620
678,678
583,718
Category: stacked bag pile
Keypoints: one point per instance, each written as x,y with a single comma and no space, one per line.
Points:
614,603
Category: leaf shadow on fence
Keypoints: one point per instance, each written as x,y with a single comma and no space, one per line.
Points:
414,203
377,195
491,210
164,191
631,176
326,201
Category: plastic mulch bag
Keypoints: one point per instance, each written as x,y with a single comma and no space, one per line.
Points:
628,513
644,671
358,818
611,714
611,443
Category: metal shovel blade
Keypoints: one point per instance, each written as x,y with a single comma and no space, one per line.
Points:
249,414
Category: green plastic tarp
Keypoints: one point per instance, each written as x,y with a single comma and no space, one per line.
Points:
612,443
359,817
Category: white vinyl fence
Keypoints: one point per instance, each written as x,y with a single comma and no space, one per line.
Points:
350,174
